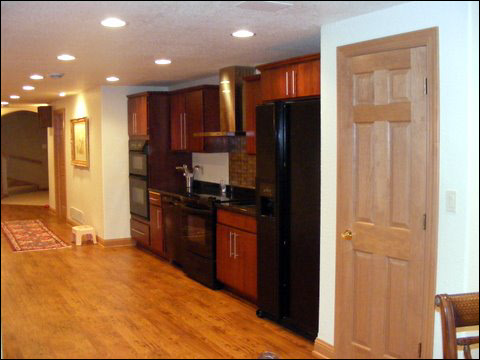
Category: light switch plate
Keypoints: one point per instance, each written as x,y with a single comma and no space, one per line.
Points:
451,201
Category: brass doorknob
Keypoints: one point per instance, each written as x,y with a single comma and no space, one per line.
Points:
347,234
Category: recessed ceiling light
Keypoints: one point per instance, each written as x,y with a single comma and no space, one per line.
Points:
243,33
113,22
65,57
36,77
5,103
112,78
61,94
163,61
28,87
14,97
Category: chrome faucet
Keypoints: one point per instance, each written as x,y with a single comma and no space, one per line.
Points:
189,175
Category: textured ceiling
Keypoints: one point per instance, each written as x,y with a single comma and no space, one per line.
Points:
194,34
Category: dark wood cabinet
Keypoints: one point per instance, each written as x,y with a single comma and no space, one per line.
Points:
157,236
293,78
252,95
45,116
138,115
237,253
177,110
193,111
140,231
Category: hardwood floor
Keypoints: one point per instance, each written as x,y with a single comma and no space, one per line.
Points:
96,302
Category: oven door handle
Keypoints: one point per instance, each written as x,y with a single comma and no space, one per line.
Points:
195,211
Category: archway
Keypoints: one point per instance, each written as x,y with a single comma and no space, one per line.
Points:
24,148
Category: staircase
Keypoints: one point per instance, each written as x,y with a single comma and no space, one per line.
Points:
20,187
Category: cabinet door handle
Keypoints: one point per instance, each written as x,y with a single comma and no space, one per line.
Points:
286,83
159,220
181,131
185,128
230,243
235,255
138,232
293,82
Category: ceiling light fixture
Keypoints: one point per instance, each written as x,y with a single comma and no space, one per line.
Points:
163,61
113,22
61,94
112,78
65,57
243,34
28,87
14,97
36,77
5,103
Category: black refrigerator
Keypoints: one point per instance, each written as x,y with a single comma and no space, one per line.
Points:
288,213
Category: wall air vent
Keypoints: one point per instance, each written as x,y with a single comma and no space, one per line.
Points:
56,75
77,215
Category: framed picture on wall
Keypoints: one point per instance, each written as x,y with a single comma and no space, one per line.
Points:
79,142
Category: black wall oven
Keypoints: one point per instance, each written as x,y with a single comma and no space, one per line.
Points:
138,176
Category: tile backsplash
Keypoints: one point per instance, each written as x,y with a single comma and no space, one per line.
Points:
242,166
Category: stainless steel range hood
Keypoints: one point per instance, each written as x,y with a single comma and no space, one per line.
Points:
231,102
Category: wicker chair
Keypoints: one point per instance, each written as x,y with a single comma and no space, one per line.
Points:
457,310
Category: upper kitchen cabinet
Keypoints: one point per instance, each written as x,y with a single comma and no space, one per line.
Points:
193,111
252,96
138,115
289,79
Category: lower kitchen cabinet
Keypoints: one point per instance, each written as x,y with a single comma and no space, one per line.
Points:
140,231
237,253
156,230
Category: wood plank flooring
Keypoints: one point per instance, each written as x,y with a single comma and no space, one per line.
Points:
96,302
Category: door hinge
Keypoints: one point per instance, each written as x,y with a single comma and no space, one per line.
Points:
425,86
419,350
424,221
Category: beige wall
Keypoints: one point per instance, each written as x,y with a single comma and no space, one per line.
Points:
10,108
457,258
85,186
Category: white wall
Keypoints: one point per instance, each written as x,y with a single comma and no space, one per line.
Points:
457,267
214,166
115,158
84,186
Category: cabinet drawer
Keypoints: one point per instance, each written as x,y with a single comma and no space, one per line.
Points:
243,222
155,198
140,232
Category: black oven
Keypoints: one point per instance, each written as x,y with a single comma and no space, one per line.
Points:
198,229
137,157
138,177
138,196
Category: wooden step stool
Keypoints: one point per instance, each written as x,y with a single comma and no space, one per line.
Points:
80,230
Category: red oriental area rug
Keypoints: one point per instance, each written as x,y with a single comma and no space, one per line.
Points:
31,235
